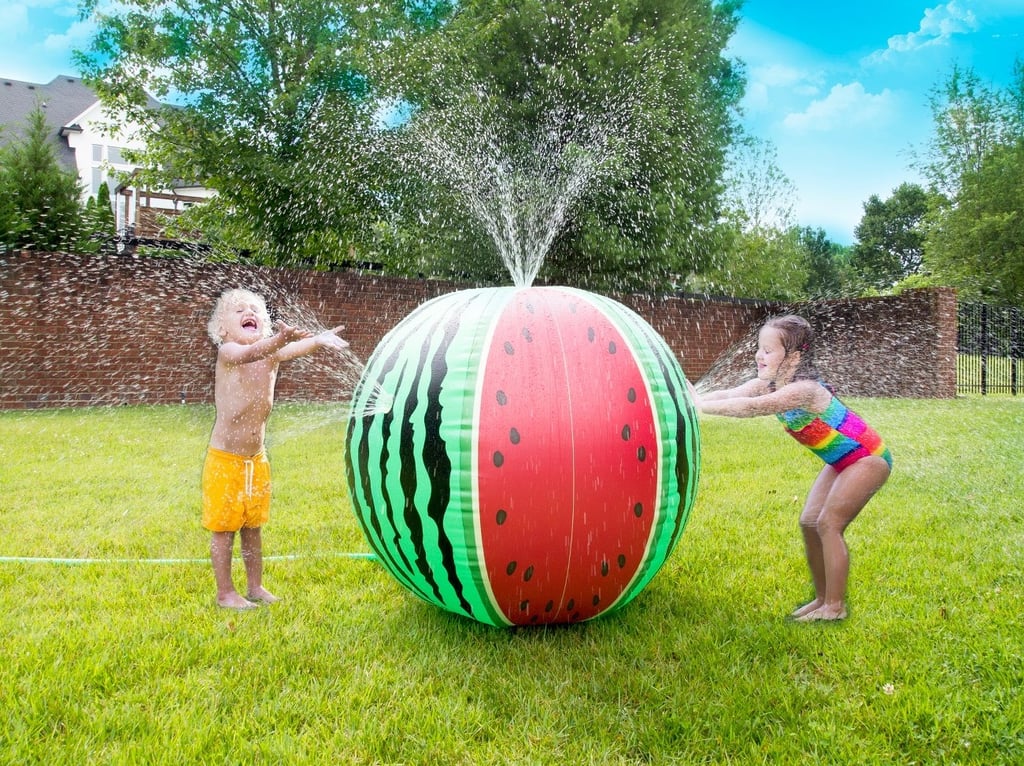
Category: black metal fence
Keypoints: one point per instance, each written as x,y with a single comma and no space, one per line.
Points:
990,345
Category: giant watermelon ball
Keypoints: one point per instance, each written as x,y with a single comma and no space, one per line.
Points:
538,459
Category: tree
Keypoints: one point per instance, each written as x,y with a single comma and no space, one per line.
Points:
761,252
890,237
99,227
651,80
765,263
41,199
977,245
758,195
974,238
970,119
273,108
827,265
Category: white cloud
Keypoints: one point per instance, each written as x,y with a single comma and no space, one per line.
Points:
763,82
843,106
938,25
77,35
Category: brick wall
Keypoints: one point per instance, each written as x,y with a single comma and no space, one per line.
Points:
85,330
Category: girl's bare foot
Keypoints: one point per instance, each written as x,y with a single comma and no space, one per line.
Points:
806,609
234,601
823,613
262,594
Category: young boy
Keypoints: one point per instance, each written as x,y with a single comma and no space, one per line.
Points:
236,475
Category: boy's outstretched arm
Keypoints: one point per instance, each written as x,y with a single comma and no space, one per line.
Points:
310,343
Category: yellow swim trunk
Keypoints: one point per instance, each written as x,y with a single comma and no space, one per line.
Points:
236,491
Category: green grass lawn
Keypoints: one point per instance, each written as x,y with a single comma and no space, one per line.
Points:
126,659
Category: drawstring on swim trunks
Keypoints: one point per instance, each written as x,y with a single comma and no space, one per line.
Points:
250,472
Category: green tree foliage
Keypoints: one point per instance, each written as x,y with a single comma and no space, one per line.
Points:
40,207
970,118
650,74
99,228
890,237
765,263
828,267
975,239
980,245
273,108
762,253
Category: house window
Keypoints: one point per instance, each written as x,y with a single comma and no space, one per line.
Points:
97,179
115,155
97,153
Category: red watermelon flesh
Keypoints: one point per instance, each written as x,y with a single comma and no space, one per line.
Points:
567,460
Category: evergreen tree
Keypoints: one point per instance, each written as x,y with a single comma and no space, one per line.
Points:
43,211
99,227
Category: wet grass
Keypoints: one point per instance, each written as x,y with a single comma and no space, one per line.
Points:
127,660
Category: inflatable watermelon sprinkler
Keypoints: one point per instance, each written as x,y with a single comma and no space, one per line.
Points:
539,459
523,455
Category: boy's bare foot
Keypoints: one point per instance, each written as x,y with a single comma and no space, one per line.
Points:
824,613
234,601
807,608
262,594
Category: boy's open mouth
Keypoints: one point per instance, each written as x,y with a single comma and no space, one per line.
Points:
250,324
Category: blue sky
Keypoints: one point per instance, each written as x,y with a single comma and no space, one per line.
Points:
839,89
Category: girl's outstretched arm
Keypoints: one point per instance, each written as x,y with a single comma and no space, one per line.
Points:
801,394
753,387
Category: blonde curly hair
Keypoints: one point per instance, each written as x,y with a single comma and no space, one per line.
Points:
229,298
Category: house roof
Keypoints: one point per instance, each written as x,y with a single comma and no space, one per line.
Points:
62,100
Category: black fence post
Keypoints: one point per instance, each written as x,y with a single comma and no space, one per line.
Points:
984,349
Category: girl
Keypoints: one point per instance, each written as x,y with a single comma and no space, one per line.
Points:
857,462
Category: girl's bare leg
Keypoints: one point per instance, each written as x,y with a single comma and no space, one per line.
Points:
850,492
812,542
220,556
252,555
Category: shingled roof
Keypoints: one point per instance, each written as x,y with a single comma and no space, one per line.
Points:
62,100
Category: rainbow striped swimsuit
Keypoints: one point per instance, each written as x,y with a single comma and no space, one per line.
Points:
838,435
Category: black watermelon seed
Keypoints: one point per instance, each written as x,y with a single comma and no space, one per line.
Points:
499,459
511,568
571,605
528,574
631,395
527,335
524,605
502,398
529,307
501,516
591,334
626,432
596,600
638,510
604,568
549,606
612,348
513,436
509,348
622,560
641,453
